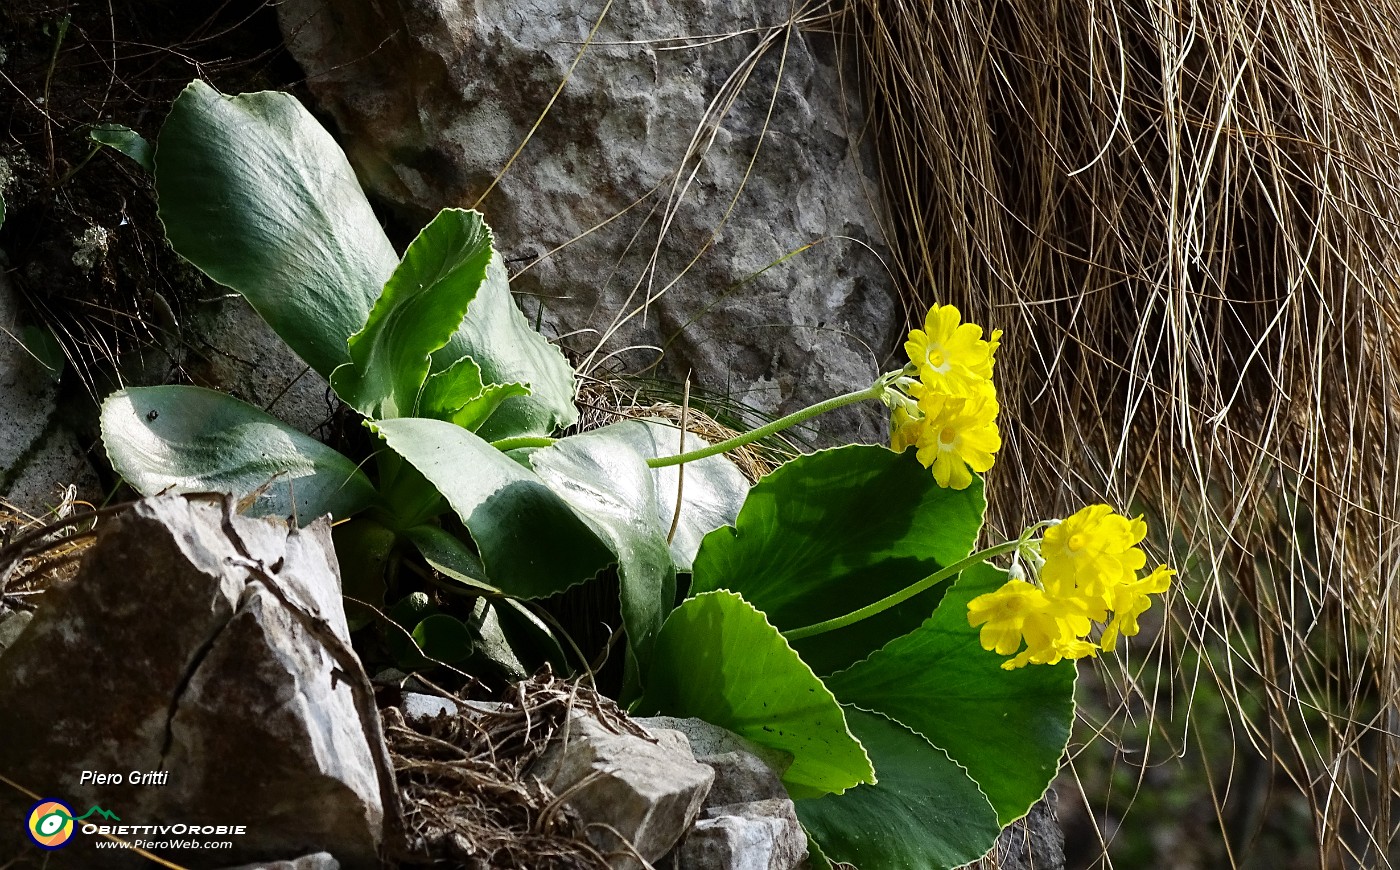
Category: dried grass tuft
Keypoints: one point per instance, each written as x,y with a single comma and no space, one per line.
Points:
1183,217
469,799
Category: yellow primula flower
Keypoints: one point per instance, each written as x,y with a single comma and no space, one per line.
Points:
1021,612
950,356
1130,601
904,429
1091,553
957,435
1086,572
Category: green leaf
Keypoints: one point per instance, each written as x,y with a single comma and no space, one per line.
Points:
925,813
459,395
443,638
713,489
531,542
125,140
450,556
421,307
610,486
40,343
497,336
830,532
1007,728
718,659
257,194
189,439
364,549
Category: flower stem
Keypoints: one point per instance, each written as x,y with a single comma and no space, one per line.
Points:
874,391
522,441
904,594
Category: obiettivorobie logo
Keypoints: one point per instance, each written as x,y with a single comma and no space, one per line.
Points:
51,823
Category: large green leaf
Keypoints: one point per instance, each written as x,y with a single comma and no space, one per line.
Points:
712,490
531,542
497,336
257,194
421,307
189,439
1007,728
833,531
718,659
925,813
609,484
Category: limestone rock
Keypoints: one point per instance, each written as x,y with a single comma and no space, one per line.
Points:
624,785
204,653
760,835
39,456
698,149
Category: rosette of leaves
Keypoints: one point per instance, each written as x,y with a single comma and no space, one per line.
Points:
432,350
908,746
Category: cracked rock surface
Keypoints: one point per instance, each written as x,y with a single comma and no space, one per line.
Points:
197,644
704,169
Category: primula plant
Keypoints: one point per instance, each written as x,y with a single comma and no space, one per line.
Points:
836,612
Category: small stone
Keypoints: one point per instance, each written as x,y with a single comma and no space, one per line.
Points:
624,785
417,707
11,624
760,835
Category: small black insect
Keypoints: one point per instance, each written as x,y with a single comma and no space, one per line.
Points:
152,414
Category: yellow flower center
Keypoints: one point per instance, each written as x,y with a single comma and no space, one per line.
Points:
947,436
936,359
1075,542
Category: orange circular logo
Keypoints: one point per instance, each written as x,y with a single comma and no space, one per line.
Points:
50,824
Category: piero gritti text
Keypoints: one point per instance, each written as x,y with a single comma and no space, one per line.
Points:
134,777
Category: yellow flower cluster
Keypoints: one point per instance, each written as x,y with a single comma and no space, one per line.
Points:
945,404
1088,573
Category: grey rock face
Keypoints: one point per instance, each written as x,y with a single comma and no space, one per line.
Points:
654,202
624,785
235,351
1035,842
206,654
39,456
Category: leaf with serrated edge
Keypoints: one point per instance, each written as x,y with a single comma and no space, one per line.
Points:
496,334
832,531
1008,729
422,305
718,659
925,813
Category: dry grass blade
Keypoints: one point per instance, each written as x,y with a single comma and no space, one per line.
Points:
1182,216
